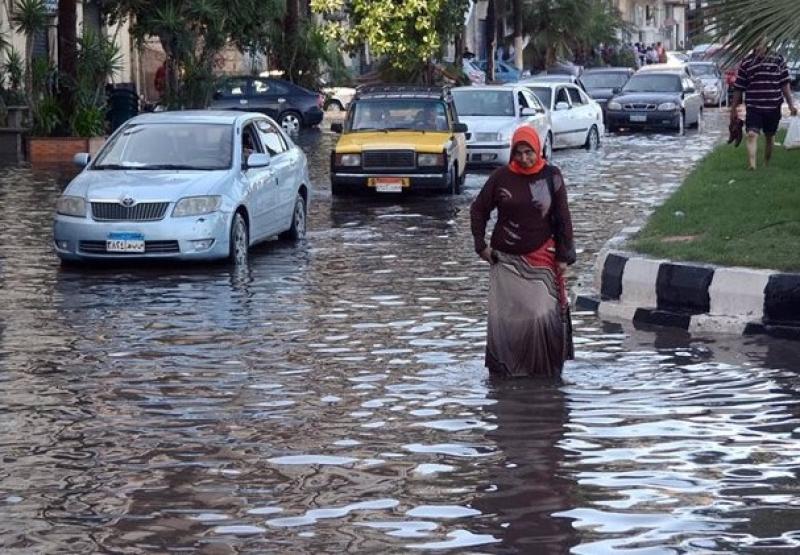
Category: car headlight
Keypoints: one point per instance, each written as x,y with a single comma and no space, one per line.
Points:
667,107
614,105
430,159
71,206
348,160
195,206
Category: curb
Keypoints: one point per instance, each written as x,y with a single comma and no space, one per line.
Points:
694,297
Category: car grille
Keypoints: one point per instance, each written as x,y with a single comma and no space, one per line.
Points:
639,107
116,212
388,159
150,247
485,137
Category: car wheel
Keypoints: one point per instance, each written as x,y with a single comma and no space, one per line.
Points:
452,181
592,139
290,121
334,106
239,241
682,124
459,180
298,229
547,149
699,122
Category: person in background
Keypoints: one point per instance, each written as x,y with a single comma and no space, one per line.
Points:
763,79
529,330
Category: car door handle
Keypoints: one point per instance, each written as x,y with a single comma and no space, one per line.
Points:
281,100
243,101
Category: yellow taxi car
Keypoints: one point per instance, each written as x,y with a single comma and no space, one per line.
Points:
398,138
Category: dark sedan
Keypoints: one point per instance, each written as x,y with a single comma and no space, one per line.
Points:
665,99
290,105
603,83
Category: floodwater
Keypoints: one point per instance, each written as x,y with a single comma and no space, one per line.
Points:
331,397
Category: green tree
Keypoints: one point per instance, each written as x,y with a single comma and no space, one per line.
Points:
29,18
739,24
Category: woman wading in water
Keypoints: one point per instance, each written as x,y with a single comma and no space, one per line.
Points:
529,331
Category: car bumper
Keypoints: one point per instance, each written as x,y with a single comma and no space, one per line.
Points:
313,117
712,97
485,154
642,119
167,239
416,182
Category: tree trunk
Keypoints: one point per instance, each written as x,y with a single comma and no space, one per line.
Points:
518,41
290,27
491,31
171,88
29,71
67,52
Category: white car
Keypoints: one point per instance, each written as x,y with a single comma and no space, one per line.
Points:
492,114
576,119
337,99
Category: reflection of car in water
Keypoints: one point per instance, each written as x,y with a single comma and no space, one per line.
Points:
193,185
397,139
493,114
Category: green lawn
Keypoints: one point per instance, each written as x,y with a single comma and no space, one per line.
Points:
728,215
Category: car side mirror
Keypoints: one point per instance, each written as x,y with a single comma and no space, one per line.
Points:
562,106
460,128
689,90
528,112
258,160
81,159
337,127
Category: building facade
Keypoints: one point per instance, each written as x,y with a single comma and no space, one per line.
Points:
653,21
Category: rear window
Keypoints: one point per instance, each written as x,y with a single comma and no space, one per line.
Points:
604,80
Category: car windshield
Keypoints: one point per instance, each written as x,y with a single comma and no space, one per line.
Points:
604,80
179,146
653,83
386,114
704,70
543,94
484,102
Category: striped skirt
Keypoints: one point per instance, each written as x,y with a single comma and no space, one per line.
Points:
529,331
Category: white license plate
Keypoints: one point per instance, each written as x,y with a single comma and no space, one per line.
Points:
636,117
125,242
394,188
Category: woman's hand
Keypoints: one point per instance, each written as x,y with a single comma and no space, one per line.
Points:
486,254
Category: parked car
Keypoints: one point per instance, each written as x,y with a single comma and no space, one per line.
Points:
337,99
492,114
503,72
193,185
604,82
715,88
290,105
399,138
679,67
475,74
665,99
576,119
554,78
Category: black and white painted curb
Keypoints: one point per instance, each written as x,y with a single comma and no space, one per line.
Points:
695,297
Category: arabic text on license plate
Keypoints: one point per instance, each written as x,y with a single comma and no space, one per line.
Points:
125,242
388,184
636,117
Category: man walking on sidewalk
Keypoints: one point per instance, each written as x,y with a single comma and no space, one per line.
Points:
764,80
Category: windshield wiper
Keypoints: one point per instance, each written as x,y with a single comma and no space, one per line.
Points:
115,167
172,167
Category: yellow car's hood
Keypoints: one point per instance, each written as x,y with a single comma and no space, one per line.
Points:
428,141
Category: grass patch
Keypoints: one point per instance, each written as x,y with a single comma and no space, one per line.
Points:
726,214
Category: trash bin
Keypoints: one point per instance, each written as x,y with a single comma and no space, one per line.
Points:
123,105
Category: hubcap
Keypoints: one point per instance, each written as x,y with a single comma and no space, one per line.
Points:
290,123
334,107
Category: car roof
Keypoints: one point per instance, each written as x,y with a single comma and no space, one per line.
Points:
550,84
402,91
675,68
194,116
607,70
485,87
661,72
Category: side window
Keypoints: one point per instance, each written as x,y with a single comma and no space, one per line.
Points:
451,113
533,102
271,137
250,142
561,95
523,102
575,96
233,88
264,87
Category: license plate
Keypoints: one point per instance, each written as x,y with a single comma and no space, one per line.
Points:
388,184
636,117
125,242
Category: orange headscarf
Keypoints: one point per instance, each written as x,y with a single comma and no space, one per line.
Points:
528,135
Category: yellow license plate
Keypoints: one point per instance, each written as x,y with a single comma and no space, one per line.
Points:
388,184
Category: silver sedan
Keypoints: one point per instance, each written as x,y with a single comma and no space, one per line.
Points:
194,185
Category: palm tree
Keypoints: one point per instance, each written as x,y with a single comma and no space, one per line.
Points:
29,18
739,24
67,51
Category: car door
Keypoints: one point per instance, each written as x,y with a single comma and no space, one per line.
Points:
459,140
541,121
581,115
692,101
233,94
269,97
563,125
260,192
284,163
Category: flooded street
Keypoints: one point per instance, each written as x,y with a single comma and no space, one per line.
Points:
331,397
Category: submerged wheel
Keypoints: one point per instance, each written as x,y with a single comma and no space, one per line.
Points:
239,240
592,139
290,121
547,149
298,229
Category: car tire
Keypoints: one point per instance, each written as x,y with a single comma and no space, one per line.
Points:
238,240
291,121
298,229
592,139
699,123
333,106
682,124
547,148
452,181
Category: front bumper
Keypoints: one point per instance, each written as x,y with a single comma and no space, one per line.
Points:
488,154
712,97
313,117
168,239
417,182
668,120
